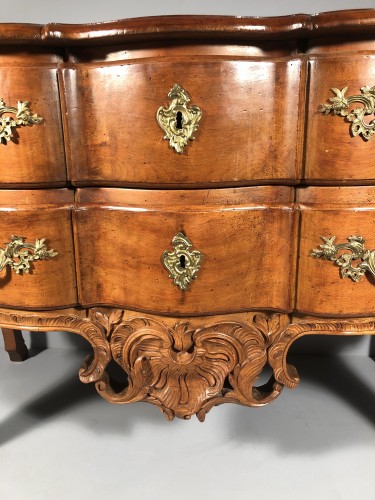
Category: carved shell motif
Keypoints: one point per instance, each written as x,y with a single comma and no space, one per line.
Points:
184,370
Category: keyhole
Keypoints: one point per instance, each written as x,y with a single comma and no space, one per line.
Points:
182,261
179,120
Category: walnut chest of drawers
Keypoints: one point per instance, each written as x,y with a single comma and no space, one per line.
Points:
190,195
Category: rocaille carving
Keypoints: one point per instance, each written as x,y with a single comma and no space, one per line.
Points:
186,370
340,106
23,116
183,264
94,365
18,254
178,121
285,373
356,244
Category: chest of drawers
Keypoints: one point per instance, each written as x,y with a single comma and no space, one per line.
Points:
190,195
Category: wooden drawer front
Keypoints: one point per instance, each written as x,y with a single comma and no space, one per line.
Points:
247,247
332,152
247,133
341,212
35,215
35,154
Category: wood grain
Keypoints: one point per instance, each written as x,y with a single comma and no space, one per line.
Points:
192,48
157,28
35,156
340,212
43,214
348,22
247,247
332,154
205,28
113,137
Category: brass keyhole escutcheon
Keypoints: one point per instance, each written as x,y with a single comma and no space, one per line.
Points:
182,263
179,121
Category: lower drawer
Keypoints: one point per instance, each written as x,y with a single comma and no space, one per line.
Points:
245,239
36,274
337,251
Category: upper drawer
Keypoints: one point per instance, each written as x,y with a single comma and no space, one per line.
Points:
35,154
333,151
248,131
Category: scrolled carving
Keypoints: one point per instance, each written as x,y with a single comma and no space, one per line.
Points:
330,251
94,366
286,374
186,371
23,116
18,254
341,104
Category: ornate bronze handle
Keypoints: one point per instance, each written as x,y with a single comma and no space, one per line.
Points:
18,254
178,122
340,106
182,264
23,116
330,251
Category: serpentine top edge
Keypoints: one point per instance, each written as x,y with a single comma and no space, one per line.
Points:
358,21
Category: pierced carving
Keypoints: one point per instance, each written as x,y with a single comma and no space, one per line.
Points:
178,122
340,106
183,264
332,252
184,370
23,116
18,254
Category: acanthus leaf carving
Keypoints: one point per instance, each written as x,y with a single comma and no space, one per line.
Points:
285,373
184,370
93,368
106,320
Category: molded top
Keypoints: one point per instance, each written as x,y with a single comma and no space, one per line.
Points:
192,27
